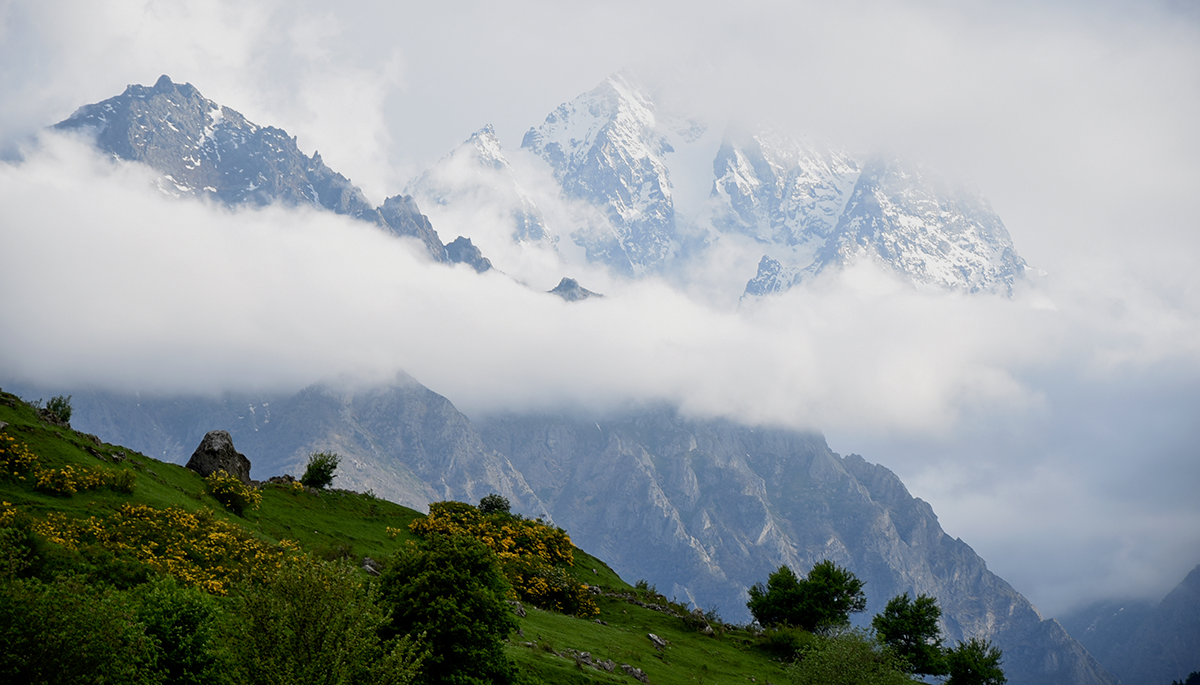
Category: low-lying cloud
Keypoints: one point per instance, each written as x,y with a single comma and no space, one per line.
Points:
1053,431
985,404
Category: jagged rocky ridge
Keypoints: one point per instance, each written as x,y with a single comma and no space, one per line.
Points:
570,290
204,149
700,508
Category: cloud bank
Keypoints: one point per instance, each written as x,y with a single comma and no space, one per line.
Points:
1054,431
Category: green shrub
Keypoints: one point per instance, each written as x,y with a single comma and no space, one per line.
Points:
183,623
61,407
848,657
975,662
823,600
316,623
320,469
232,492
452,590
785,644
70,632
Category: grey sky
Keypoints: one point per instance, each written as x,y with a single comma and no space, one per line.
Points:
1055,433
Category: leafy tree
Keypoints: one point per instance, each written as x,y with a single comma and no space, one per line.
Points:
1192,679
824,599
849,657
319,471
494,504
315,622
451,590
975,662
910,629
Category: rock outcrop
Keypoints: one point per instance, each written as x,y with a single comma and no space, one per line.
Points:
216,453
570,290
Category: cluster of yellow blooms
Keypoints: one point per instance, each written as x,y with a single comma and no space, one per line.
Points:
18,461
196,548
532,553
8,513
232,492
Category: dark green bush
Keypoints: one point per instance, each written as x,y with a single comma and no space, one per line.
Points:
785,644
70,632
452,590
317,623
494,504
183,623
823,600
320,469
61,407
848,657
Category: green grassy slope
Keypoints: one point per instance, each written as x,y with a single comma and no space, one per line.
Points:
547,649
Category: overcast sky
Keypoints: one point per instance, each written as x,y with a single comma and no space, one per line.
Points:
1055,432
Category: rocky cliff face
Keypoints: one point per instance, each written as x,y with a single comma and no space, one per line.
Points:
204,149
938,236
817,208
705,508
810,206
781,192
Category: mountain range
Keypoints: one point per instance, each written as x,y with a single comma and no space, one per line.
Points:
702,507
806,207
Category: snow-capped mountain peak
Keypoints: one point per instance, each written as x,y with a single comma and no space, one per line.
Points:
605,148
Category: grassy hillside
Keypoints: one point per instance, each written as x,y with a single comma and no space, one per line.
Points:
549,647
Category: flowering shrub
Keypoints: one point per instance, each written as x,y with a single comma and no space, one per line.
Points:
532,554
16,459
197,548
232,492
19,462
8,513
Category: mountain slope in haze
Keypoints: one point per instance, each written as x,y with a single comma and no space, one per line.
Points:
703,509
208,150
707,508
1141,642
477,175
402,441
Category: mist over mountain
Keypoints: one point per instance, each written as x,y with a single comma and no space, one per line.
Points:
610,155
1144,642
807,207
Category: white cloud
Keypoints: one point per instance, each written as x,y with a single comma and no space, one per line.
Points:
1020,422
